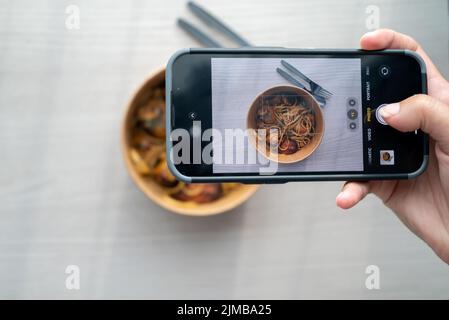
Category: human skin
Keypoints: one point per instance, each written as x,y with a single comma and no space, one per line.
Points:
422,204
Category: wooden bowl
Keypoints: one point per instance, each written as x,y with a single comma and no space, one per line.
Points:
151,188
302,153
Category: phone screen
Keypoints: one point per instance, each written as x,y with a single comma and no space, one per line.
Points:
287,114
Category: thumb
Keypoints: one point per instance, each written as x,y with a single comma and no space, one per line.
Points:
420,112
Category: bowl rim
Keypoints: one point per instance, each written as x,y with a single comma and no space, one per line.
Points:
252,135
245,191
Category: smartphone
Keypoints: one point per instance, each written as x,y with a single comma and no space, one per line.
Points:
274,115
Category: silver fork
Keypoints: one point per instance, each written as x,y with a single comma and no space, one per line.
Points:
315,88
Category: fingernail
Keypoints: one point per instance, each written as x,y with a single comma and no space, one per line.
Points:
342,194
370,33
390,110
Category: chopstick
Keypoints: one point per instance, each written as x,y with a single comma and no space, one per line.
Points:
198,34
314,87
297,83
289,78
295,71
216,24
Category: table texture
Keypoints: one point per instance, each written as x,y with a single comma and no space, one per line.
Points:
67,199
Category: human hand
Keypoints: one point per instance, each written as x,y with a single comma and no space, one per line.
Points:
422,204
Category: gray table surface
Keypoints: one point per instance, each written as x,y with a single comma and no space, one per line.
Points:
66,198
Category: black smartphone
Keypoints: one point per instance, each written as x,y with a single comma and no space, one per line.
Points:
273,115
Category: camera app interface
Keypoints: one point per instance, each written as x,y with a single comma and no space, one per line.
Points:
300,114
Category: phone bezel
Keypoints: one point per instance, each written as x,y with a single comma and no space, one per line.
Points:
293,177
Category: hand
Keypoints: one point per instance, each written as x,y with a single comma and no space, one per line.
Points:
422,204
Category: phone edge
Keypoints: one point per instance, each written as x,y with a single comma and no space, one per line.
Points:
424,90
168,123
286,178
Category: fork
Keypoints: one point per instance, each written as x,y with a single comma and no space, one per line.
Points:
315,88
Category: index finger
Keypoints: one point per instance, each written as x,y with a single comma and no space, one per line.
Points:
390,39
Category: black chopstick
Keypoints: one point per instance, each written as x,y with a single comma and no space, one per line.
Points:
298,73
213,22
297,83
198,34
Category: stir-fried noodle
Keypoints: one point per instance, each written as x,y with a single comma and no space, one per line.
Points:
289,123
